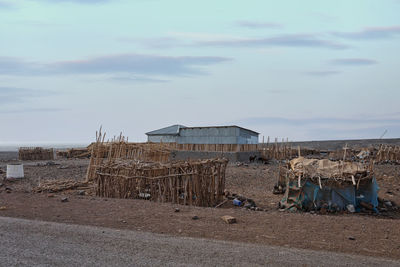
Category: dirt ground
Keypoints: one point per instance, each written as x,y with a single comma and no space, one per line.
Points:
373,235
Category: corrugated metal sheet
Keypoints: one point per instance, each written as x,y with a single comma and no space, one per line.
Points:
170,130
204,135
162,138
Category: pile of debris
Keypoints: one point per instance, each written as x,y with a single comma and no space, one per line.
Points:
63,185
386,205
241,201
329,186
35,153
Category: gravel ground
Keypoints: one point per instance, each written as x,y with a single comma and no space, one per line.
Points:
374,235
28,243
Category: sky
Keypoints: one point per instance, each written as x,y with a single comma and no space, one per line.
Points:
302,70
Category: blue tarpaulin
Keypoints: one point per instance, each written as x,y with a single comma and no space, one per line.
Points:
311,197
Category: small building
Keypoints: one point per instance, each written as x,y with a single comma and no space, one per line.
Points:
203,135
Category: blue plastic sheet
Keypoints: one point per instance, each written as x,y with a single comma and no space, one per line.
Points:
311,197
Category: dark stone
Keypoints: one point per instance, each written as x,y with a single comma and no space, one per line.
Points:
195,217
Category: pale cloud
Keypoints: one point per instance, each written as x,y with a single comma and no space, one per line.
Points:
221,40
258,24
121,63
371,33
322,73
75,1
15,95
31,110
353,61
7,5
289,40
136,79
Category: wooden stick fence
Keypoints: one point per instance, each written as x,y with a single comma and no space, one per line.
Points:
388,154
35,153
199,183
119,148
130,170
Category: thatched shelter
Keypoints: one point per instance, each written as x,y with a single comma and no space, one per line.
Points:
313,184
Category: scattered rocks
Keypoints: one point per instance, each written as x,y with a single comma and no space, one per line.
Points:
388,204
350,208
63,167
389,193
278,190
367,206
49,163
247,206
227,194
81,192
195,217
322,211
64,199
229,219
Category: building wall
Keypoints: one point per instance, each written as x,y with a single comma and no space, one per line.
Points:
247,137
162,138
208,135
247,140
217,135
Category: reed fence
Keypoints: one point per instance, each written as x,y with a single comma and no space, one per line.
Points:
388,153
35,153
120,149
200,183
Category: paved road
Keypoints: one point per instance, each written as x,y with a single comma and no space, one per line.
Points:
27,243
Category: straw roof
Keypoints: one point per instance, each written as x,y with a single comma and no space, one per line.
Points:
327,169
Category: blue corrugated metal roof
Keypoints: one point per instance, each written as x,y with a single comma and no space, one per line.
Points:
229,126
174,129
170,130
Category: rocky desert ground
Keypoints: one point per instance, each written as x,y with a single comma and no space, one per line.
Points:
365,233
